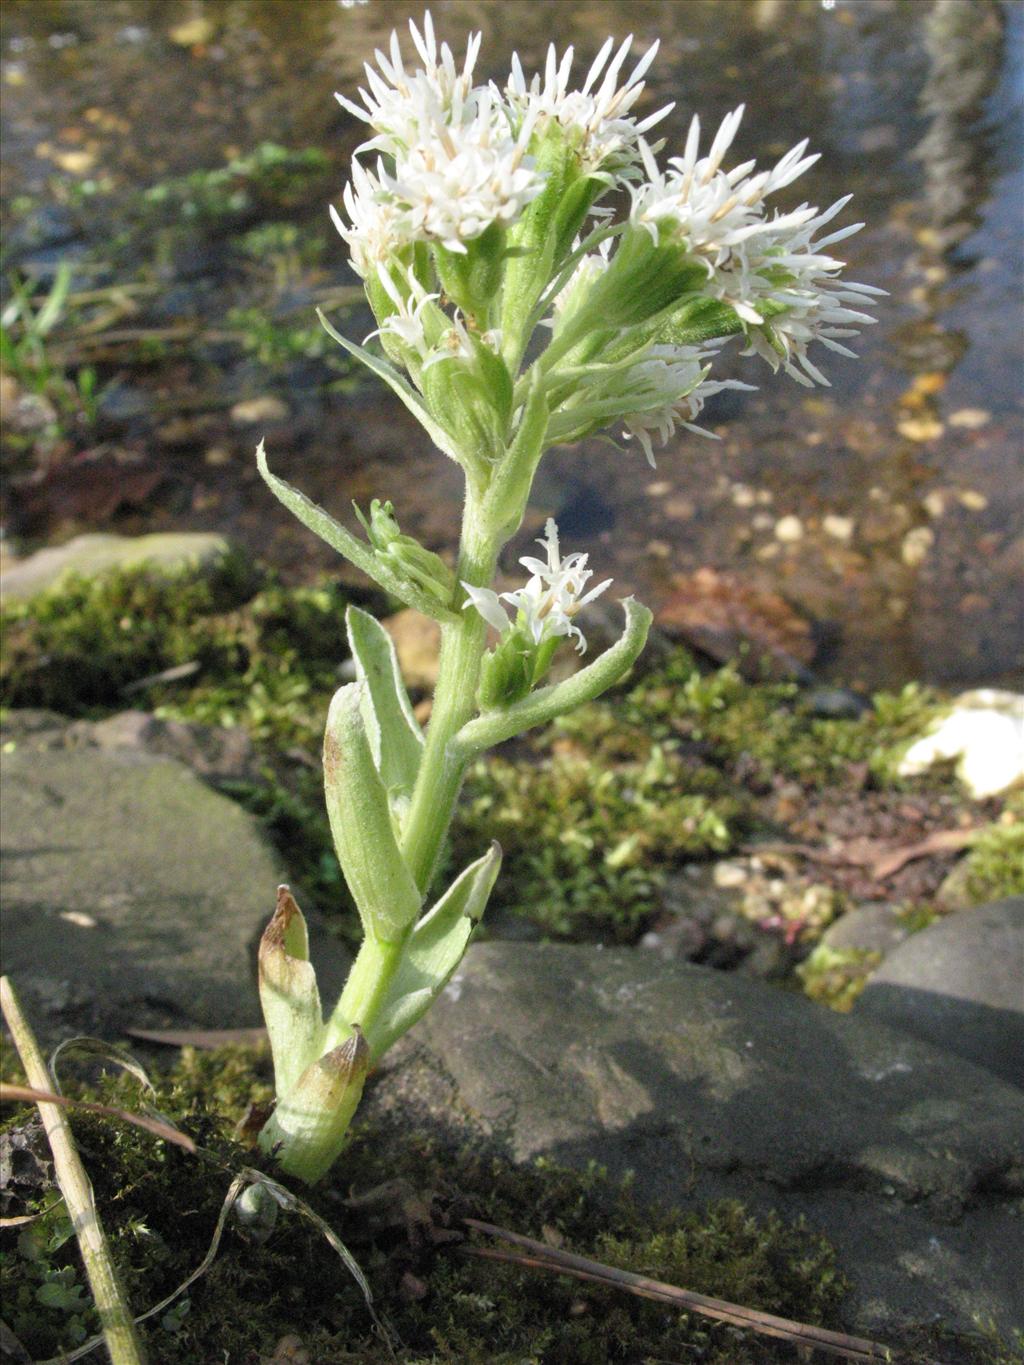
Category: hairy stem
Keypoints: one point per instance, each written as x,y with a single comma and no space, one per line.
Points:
462,645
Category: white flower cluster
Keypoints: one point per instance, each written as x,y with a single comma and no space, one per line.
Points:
450,164
546,605
457,153
751,259
408,326
454,159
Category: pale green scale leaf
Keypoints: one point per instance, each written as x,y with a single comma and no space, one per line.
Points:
395,738
434,950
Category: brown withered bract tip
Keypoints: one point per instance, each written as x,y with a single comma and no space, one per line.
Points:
350,1058
284,912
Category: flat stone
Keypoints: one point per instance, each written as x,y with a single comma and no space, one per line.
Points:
93,554
134,896
959,984
707,1085
217,753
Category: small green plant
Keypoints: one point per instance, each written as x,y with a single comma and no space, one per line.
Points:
27,324
270,174
994,867
507,323
588,840
836,977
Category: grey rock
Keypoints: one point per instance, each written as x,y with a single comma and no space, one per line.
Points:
134,896
959,984
33,725
93,554
872,928
217,753
836,703
707,1085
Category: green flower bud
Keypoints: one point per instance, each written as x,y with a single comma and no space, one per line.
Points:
542,238
470,394
507,671
642,282
404,555
472,278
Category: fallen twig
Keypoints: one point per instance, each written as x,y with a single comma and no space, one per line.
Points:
881,859
545,1257
122,1340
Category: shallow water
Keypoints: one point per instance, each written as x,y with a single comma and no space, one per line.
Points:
898,489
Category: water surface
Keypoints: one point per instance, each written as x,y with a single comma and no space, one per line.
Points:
898,489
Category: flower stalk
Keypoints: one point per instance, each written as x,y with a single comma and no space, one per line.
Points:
513,312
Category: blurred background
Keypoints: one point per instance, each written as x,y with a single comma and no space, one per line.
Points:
165,240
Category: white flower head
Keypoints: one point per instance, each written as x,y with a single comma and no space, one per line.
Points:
794,271
377,226
751,258
548,601
670,387
715,212
400,106
406,324
458,180
597,116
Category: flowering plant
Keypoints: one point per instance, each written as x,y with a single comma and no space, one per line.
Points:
515,310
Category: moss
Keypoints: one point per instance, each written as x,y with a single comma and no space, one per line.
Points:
766,727
994,867
588,840
160,1206
593,812
836,977
269,175
268,661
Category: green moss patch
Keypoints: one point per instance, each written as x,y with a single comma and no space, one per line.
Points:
994,867
588,841
160,1206
594,813
396,1198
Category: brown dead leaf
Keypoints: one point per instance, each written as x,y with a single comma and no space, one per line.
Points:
205,1039
14,1093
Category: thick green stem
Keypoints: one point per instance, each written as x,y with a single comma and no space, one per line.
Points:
462,646
365,989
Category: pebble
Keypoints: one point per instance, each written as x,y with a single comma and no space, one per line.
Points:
839,528
920,428
252,410
837,703
916,545
789,530
970,418
972,499
730,875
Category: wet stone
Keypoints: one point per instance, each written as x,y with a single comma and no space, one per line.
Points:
709,1085
957,985
134,895
90,555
